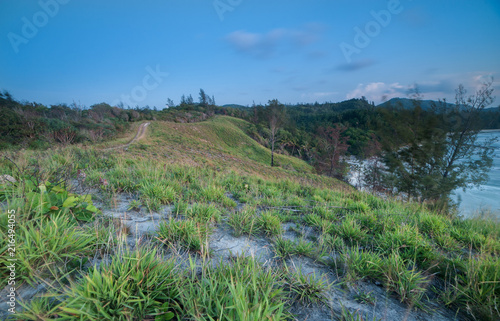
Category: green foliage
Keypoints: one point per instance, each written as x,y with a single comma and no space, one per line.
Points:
435,152
476,286
180,207
159,191
351,231
39,308
134,205
135,285
365,297
240,291
270,223
39,127
213,193
48,247
360,264
285,248
48,199
190,234
203,213
244,222
409,243
409,283
306,288
353,316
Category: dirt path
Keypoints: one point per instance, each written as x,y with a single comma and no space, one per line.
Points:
141,132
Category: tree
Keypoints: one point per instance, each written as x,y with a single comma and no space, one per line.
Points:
203,98
332,145
276,115
373,170
439,150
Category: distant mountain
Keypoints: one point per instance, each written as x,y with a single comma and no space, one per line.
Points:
407,103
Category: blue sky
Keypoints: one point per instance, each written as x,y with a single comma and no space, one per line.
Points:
240,51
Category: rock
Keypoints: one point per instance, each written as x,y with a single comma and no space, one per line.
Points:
4,179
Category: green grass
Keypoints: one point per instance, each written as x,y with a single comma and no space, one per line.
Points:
404,279
165,194
240,291
133,286
50,247
189,234
204,213
306,288
350,231
354,316
244,222
270,223
195,171
285,248
359,264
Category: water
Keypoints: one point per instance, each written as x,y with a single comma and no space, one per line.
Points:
487,196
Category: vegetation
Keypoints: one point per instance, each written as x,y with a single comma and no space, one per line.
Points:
33,125
201,184
434,153
401,246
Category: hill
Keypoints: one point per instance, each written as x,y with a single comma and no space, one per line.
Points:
219,143
407,103
190,222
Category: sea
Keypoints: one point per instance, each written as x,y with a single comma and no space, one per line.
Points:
484,199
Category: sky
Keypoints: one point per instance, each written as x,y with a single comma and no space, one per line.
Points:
243,51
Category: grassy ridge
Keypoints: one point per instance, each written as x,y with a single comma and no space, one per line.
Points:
219,142
203,171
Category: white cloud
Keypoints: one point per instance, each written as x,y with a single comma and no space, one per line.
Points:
264,45
378,91
438,87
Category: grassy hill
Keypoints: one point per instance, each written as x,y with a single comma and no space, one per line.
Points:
221,143
192,223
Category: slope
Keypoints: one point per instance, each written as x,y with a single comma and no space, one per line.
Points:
220,143
191,221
